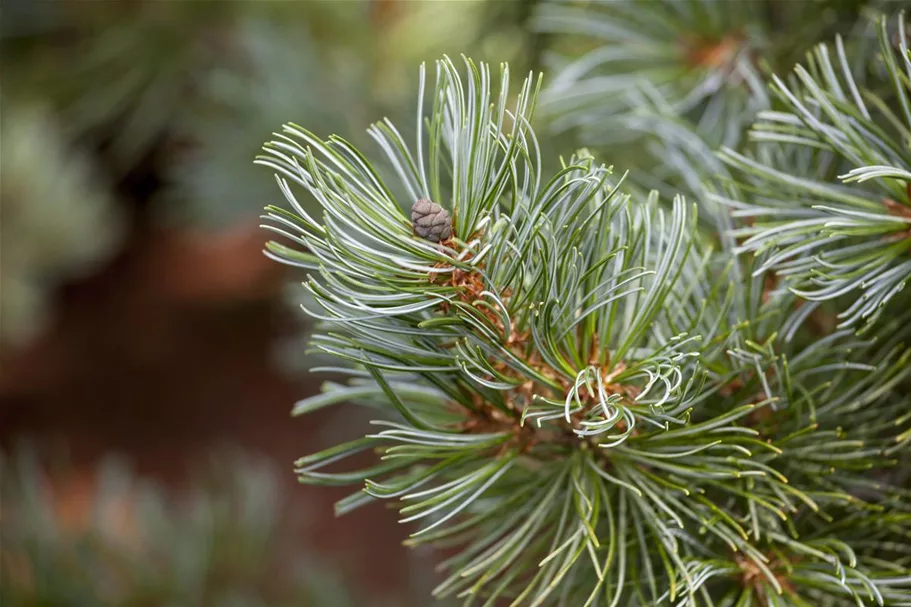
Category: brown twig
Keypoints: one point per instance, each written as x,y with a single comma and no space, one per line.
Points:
897,209
752,576
702,53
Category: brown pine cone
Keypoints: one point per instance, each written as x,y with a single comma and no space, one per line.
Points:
431,221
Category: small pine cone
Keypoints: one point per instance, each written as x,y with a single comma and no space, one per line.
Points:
431,221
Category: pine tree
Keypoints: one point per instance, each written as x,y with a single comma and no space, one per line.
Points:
585,393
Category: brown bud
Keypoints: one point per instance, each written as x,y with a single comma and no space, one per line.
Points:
431,221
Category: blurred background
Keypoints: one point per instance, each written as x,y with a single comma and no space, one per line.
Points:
150,355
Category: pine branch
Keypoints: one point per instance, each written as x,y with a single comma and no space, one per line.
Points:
574,395
666,82
831,240
699,56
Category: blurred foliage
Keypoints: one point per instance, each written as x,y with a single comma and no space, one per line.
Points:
57,224
112,538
